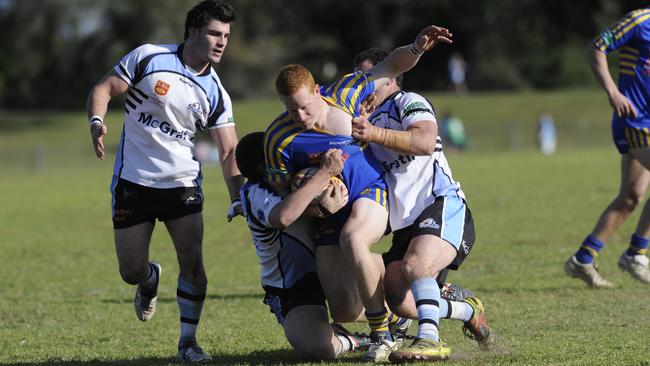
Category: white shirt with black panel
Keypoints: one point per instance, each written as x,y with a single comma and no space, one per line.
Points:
166,104
414,181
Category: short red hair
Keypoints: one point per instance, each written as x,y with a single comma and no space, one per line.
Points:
293,77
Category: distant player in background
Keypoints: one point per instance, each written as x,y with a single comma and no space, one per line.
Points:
283,239
318,118
432,225
172,91
631,134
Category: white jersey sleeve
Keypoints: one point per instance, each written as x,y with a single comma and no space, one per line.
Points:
414,108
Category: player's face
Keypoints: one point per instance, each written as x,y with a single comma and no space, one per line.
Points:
303,107
211,40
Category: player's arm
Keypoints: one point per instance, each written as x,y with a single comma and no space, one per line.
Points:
97,105
226,140
599,67
293,205
418,139
404,58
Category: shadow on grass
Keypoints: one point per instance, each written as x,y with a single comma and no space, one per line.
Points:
278,357
173,299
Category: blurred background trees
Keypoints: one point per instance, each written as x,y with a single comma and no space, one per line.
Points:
53,51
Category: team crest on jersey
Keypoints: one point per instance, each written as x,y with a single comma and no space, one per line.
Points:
161,87
196,109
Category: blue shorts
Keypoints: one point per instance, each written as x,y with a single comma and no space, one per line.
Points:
628,136
329,230
449,218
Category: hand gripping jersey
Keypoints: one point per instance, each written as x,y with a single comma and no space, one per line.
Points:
285,256
413,181
631,35
166,103
288,148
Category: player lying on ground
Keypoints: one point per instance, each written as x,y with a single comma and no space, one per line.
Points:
283,239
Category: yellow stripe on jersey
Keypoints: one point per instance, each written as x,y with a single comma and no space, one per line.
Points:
630,49
339,93
627,72
625,56
627,64
273,155
632,25
630,17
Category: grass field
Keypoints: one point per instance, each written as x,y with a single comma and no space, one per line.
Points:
63,301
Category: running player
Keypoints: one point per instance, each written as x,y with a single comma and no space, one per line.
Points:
317,119
283,239
630,123
433,227
172,91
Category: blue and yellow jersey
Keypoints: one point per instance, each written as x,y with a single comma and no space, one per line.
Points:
288,148
631,36
348,92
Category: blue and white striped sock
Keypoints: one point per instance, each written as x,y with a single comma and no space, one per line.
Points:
458,310
427,300
190,303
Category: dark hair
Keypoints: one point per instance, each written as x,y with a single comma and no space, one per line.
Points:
207,10
375,55
249,155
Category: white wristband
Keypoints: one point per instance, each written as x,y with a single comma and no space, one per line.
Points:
95,120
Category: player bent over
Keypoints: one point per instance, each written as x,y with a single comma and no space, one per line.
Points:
284,244
433,226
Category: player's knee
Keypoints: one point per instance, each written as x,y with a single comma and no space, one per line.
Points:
321,349
132,276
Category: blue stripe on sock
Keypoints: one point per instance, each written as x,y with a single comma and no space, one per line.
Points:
590,246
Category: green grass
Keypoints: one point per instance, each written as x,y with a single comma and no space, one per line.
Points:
63,301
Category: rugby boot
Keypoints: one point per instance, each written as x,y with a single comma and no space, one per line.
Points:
635,265
422,349
452,292
380,348
146,299
190,352
588,272
477,328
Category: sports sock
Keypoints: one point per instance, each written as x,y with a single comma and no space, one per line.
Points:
458,310
149,286
346,344
190,303
589,249
638,245
396,320
427,301
378,321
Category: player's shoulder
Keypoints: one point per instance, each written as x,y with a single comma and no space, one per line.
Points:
410,100
148,49
281,123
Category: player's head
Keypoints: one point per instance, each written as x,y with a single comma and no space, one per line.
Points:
207,27
300,95
249,155
366,60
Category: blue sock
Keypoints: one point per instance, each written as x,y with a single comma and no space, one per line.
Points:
427,301
638,245
589,249
190,303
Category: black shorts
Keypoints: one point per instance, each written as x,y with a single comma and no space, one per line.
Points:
431,222
134,204
306,291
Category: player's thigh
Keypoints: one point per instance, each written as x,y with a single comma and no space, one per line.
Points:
426,256
336,278
366,223
186,233
635,175
308,330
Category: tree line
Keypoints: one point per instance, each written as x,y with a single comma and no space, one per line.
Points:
55,50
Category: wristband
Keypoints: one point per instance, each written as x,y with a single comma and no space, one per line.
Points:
415,51
95,120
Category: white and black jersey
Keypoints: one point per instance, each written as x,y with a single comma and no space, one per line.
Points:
285,256
166,103
413,181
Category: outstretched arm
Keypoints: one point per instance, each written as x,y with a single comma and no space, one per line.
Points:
226,140
97,105
599,67
404,58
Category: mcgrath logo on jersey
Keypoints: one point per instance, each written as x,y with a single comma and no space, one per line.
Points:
196,109
161,87
164,127
430,223
401,160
